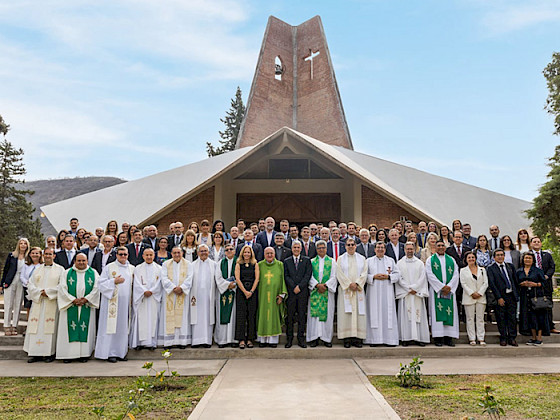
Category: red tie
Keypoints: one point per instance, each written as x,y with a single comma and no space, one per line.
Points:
336,251
539,259
137,246
306,248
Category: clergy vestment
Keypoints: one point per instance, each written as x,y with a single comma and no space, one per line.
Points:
203,300
114,311
320,313
444,317
40,336
270,314
174,327
224,330
145,313
76,324
413,318
382,324
351,314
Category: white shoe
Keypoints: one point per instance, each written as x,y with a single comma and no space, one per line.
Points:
473,343
483,344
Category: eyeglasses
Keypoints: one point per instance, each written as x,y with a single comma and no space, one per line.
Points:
122,254
229,249
347,245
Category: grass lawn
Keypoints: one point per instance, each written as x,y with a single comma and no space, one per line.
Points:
73,398
455,396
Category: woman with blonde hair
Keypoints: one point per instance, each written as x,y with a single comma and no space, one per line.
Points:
411,237
247,280
430,248
112,229
13,288
189,245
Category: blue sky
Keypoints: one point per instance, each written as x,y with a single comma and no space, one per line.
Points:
129,88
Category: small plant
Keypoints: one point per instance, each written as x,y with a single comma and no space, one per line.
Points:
490,404
164,375
410,376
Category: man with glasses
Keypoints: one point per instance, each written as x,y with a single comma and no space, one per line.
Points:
109,254
115,286
224,330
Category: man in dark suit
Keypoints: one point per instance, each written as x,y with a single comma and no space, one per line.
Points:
501,279
422,235
136,248
335,248
394,246
266,238
175,238
93,253
457,251
282,252
249,240
468,240
307,245
545,262
297,272
67,255
152,240
109,254
365,248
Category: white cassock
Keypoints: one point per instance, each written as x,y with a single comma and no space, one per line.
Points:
76,349
413,318
203,300
351,313
316,328
438,329
382,324
40,336
114,311
145,309
174,326
225,333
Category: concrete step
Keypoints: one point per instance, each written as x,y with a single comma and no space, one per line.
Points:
11,340
22,315
336,352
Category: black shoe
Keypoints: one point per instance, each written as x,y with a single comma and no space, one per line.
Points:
262,345
301,342
84,359
184,347
289,343
405,343
151,348
513,343
207,346
314,343
273,345
221,346
438,344
67,361
419,343
357,343
234,345
49,359
450,344
194,346
111,360
33,359
122,359
347,344
327,344
503,343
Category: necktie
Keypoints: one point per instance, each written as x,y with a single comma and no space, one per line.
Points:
297,262
307,248
336,251
366,249
69,257
137,246
495,243
508,283
459,250
539,259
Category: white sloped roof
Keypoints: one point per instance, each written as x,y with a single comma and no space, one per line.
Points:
135,201
438,198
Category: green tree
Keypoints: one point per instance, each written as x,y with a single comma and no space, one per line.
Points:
16,213
3,126
232,121
552,75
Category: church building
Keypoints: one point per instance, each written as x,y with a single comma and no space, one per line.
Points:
295,160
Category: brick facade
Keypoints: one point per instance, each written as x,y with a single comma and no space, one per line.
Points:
380,210
195,209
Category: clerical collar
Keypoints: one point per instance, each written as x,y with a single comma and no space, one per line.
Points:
49,265
122,265
269,263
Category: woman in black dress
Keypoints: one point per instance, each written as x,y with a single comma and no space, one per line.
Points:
247,279
532,283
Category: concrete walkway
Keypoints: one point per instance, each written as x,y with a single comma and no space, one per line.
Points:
96,368
292,389
465,365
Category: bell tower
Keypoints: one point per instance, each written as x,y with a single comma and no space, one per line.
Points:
295,86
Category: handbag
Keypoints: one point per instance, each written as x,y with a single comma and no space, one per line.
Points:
540,303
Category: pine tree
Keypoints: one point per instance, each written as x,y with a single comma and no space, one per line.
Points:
546,206
16,213
232,121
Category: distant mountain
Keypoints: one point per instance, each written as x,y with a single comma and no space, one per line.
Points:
50,191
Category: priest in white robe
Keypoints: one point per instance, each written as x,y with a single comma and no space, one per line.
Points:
42,290
443,279
78,300
382,324
174,326
351,274
411,291
226,289
322,299
146,300
115,286
203,298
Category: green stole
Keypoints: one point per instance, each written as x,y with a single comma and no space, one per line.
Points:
319,301
226,298
78,326
444,307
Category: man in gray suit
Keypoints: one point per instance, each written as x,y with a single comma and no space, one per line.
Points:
365,248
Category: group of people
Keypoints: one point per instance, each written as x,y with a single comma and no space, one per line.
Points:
108,291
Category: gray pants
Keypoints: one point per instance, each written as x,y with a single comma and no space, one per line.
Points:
13,297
